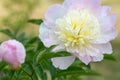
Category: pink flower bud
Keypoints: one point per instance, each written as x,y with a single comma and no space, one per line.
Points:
12,52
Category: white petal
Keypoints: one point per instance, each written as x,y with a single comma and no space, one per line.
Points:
104,11
63,62
55,11
93,50
107,36
81,4
98,58
86,59
47,36
107,48
91,54
96,49
107,22
108,31
59,48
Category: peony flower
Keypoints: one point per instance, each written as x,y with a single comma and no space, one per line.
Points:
13,53
82,27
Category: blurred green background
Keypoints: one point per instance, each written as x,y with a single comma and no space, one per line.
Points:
16,13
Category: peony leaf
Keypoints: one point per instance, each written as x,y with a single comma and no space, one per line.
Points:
21,36
36,21
74,71
7,32
109,57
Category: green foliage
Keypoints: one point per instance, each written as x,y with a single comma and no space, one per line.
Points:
7,32
36,21
109,57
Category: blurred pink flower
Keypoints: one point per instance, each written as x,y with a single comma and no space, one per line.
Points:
13,53
82,27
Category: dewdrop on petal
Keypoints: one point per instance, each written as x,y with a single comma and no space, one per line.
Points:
82,27
13,53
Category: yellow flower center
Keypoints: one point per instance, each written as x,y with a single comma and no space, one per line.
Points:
77,29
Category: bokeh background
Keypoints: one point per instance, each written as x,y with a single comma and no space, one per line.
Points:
16,13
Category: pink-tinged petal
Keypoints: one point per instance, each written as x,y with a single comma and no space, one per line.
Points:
107,48
108,31
76,52
107,36
59,48
85,59
20,53
92,5
72,50
67,3
63,62
54,12
107,22
97,58
104,11
92,54
97,49
82,55
91,50
11,58
94,50
47,36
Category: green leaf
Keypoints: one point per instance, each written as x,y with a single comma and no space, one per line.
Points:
32,40
36,21
7,32
21,36
58,54
16,31
75,70
109,57
47,54
2,65
38,72
39,56
30,49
